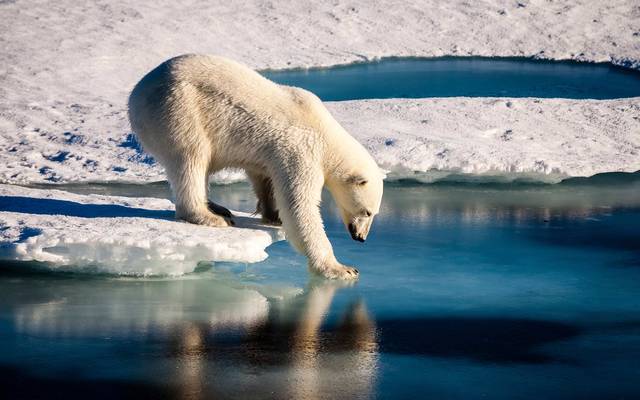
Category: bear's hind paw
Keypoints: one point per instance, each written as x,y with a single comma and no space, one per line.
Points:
219,210
208,219
271,220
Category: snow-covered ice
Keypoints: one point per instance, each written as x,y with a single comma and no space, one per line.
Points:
544,139
122,235
539,139
68,67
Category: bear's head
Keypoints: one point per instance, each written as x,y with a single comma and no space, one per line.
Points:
358,197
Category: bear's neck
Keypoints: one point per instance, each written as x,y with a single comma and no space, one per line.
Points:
343,156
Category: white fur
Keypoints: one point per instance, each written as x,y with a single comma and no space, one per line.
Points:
199,114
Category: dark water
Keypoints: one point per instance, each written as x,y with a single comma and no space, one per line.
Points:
466,291
469,77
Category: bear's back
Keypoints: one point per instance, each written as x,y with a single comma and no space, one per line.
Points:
216,76
222,92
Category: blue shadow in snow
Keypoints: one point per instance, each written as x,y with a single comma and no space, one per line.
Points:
131,142
32,205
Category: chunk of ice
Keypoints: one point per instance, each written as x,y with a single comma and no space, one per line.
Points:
109,234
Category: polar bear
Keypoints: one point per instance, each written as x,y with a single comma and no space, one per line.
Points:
198,114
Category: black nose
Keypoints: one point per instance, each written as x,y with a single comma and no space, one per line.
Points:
354,234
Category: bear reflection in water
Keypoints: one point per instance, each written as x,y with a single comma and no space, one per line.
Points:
290,341
235,343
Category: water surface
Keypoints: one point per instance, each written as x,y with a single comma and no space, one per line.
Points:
466,291
464,76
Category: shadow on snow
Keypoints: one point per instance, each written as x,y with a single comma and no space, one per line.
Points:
39,206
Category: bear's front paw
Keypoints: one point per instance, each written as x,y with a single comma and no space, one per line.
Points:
335,270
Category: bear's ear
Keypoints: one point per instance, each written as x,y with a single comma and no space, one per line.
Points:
356,180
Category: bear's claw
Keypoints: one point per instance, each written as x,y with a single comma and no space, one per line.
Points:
271,220
220,210
338,271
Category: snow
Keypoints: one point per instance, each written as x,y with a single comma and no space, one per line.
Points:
537,139
119,235
68,67
425,139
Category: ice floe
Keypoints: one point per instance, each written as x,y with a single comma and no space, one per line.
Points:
120,235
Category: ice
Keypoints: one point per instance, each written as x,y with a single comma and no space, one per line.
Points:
426,139
120,235
68,68
521,138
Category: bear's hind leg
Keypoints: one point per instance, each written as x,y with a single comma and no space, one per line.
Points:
189,186
263,188
215,207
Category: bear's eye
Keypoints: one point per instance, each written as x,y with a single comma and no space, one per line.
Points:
356,180
367,213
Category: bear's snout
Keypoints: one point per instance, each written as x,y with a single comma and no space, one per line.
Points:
354,233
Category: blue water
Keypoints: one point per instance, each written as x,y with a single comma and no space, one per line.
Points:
471,77
466,291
